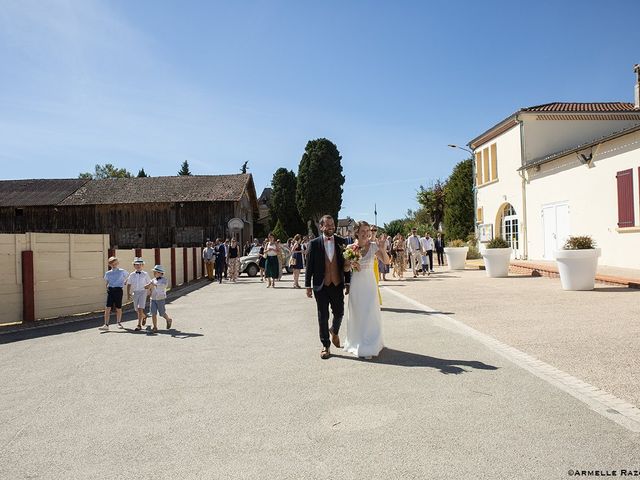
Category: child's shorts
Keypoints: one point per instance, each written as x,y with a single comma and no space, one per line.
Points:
114,297
139,299
157,306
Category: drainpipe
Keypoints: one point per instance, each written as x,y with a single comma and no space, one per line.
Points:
525,235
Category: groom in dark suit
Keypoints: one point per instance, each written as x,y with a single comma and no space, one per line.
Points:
326,279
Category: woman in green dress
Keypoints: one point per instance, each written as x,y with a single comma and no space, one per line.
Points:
271,252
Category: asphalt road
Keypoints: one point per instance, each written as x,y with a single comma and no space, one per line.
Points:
237,391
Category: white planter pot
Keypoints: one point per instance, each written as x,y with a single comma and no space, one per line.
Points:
456,257
578,268
496,261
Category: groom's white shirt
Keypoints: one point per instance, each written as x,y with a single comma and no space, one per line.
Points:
329,246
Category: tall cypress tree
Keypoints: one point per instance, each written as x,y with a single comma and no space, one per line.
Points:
283,202
320,181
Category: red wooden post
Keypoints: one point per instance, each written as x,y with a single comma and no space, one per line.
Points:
185,265
195,263
138,252
156,252
28,287
173,267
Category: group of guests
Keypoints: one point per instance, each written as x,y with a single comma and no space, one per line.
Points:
416,252
222,260
272,259
139,285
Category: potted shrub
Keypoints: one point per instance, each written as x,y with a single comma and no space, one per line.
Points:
456,252
577,263
497,255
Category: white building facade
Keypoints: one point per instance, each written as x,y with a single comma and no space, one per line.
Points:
550,171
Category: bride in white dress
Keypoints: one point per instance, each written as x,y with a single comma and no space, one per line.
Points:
364,319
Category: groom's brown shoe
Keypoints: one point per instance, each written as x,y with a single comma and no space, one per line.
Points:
324,354
335,339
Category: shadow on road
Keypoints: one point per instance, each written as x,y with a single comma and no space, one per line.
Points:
148,332
45,328
418,312
389,356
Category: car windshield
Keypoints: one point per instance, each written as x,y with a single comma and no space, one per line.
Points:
255,250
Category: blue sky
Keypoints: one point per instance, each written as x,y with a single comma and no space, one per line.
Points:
152,83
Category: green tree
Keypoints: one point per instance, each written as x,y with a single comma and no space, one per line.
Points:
283,202
280,233
184,169
106,171
395,227
432,200
459,214
142,173
320,181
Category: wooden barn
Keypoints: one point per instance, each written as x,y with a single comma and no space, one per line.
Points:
136,212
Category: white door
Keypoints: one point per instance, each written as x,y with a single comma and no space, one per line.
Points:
555,219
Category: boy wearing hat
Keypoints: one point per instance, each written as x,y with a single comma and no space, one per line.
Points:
138,281
158,287
115,278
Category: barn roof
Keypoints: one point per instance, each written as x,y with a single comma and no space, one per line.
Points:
113,191
26,193
188,188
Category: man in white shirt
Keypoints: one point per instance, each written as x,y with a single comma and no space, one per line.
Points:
415,251
427,259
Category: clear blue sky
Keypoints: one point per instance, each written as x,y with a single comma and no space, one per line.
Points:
152,83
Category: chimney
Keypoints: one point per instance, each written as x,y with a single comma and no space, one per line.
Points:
636,69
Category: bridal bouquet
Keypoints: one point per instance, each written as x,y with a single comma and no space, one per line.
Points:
352,255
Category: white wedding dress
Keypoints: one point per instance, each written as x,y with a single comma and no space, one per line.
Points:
364,319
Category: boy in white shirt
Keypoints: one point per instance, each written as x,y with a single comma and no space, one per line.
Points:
158,287
138,281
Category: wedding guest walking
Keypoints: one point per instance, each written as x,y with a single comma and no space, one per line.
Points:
221,259
272,264
415,251
158,288
297,262
400,257
382,266
262,259
209,255
138,281
115,278
247,248
440,249
226,256
427,259
234,260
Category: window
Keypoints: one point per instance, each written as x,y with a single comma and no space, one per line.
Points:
485,158
494,161
625,198
487,165
480,215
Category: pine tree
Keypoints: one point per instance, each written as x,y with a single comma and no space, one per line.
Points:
184,169
142,173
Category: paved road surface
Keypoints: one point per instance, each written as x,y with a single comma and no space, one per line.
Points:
238,391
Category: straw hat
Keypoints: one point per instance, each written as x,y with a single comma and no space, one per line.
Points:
138,261
158,268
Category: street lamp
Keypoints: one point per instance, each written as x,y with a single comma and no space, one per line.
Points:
475,187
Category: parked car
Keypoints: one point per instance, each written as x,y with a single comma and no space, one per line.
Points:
249,263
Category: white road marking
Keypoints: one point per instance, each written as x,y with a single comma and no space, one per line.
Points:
607,405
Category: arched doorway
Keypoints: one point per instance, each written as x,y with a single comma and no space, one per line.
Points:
509,223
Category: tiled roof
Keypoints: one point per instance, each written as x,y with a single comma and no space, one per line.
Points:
189,188
583,107
601,108
25,193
